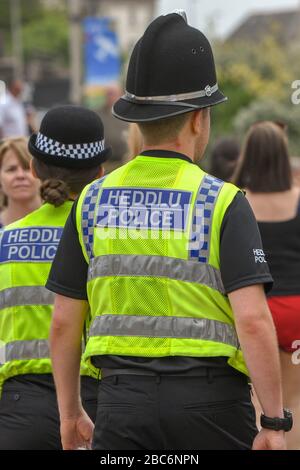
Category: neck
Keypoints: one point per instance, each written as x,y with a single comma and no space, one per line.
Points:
73,196
184,148
16,210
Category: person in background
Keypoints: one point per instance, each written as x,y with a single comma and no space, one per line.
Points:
264,171
115,131
20,193
13,121
67,154
31,118
224,156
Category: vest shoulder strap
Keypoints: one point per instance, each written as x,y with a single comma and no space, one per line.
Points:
86,215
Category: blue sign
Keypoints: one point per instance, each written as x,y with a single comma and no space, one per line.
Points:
32,244
102,57
137,208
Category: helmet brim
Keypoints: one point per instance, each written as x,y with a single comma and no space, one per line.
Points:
127,110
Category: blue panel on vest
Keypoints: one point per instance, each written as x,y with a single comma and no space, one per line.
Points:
32,244
194,253
136,208
204,191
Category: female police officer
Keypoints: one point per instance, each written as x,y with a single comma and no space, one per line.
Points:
67,154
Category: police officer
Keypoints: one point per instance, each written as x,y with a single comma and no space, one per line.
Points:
67,155
166,255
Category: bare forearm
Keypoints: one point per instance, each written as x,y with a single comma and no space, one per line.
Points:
65,346
66,363
260,348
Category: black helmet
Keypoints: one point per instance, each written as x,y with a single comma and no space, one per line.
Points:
171,71
70,137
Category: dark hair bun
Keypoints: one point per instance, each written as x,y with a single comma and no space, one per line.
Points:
55,192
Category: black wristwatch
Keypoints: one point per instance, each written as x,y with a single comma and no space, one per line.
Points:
278,424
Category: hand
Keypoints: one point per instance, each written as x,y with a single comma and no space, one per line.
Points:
77,432
267,439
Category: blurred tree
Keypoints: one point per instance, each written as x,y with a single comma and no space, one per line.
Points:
48,37
30,11
44,29
264,69
261,110
256,78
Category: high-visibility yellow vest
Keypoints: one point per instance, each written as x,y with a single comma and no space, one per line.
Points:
27,249
150,232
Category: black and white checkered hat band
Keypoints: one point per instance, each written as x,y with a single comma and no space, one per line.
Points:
77,151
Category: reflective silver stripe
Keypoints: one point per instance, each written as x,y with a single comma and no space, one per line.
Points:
22,350
164,327
25,295
156,266
208,91
31,349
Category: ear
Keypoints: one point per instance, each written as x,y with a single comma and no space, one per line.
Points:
32,169
196,122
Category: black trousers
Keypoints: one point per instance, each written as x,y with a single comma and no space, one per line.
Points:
174,413
29,418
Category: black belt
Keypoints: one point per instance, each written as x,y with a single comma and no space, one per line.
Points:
201,372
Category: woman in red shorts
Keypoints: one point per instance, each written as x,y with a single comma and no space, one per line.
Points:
265,173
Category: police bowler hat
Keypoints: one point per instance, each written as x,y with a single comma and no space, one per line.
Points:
171,71
70,137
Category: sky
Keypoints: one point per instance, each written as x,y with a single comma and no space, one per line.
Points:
226,14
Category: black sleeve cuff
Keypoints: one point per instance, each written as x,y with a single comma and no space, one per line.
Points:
66,291
266,280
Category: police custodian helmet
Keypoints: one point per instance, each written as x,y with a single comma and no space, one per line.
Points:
171,71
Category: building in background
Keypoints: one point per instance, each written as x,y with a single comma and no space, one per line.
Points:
283,25
131,17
